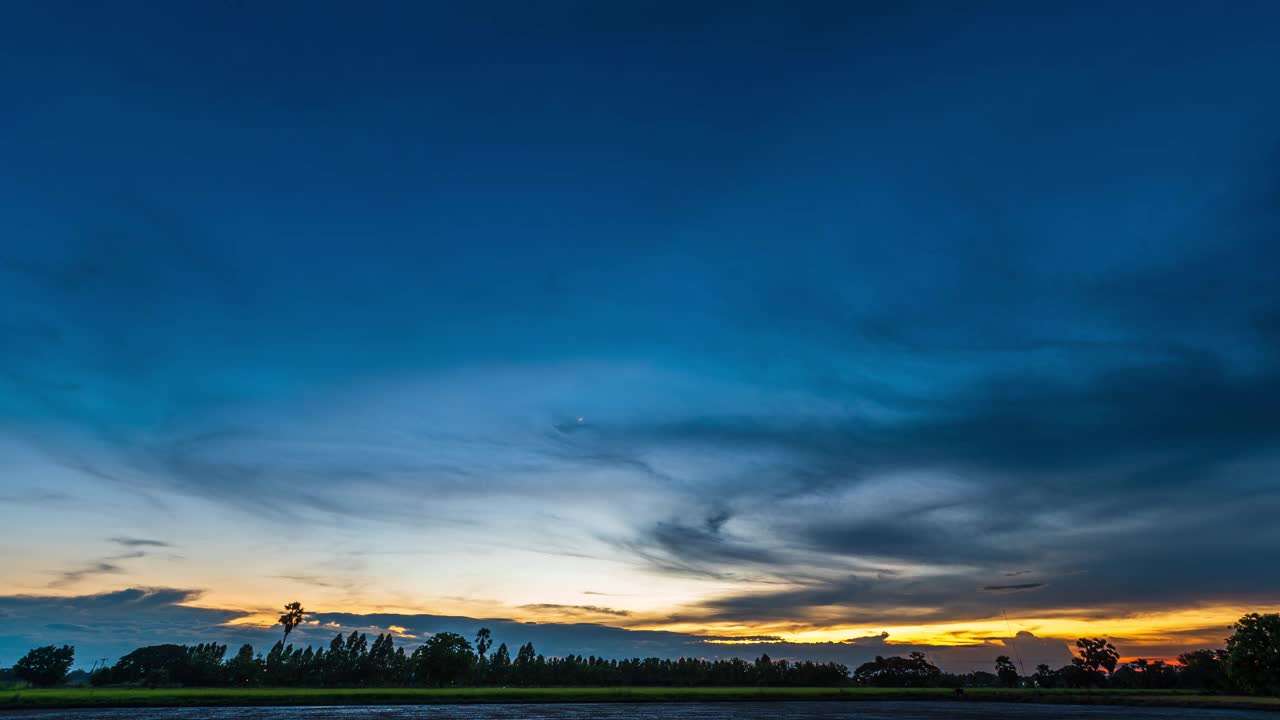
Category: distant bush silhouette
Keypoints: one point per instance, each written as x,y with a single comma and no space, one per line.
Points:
1006,671
1206,669
157,665
1253,653
911,671
44,666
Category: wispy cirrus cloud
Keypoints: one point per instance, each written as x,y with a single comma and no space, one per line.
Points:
1021,587
71,577
139,542
576,609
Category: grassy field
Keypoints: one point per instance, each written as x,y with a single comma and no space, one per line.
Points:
140,697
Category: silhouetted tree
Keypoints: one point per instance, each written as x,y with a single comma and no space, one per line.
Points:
764,670
484,641
1253,653
500,666
915,670
292,617
978,679
1074,675
275,670
388,665
244,668
44,666
204,665
1145,674
1204,670
1130,675
524,666
480,670
357,655
443,659
1006,671
1095,655
335,662
168,664
1044,677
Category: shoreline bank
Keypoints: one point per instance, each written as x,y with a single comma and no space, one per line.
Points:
235,697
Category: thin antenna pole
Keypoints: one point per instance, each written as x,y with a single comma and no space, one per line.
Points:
1021,668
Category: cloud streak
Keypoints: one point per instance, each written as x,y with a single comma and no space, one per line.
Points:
577,609
139,542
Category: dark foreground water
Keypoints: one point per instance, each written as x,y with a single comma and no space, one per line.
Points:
789,710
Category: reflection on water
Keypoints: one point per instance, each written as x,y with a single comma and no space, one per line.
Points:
790,710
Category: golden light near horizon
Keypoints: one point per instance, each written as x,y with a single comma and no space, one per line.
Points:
1162,627
1189,628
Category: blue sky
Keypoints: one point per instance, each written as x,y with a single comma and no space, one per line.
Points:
815,321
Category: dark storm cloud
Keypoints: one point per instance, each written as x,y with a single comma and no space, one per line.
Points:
1144,568
697,550
1038,425
108,623
1172,442
1150,441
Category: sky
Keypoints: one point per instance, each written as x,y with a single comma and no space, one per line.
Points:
829,329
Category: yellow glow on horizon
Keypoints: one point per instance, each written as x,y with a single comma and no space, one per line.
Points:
1209,624
1205,626
1173,627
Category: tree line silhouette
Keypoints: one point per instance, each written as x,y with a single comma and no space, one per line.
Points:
444,660
1249,663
